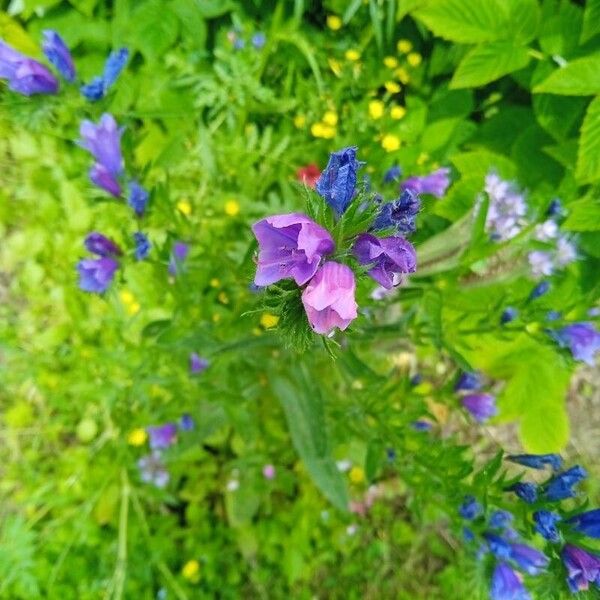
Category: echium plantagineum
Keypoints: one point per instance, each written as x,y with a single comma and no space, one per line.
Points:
294,246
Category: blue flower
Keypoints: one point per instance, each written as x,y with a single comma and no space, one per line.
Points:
58,54
468,535
94,90
390,454
337,182
138,198
96,274
525,490
103,141
528,559
582,567
142,245
99,85
99,244
258,40
101,177
508,314
392,174
536,461
25,75
399,214
470,509
539,290
435,183
499,547
162,436
197,364
555,208
553,315
587,523
186,423
481,406
545,524
421,425
178,256
560,487
499,519
468,382
507,585
582,339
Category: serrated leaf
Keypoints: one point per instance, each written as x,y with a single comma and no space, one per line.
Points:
580,77
489,62
524,18
591,20
588,156
584,215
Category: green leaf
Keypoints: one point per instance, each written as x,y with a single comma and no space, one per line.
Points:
489,62
580,77
591,20
306,421
584,215
524,19
465,21
558,115
156,29
588,156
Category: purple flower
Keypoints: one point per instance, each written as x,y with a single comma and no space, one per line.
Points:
58,54
99,244
102,178
25,75
290,246
507,584
528,559
337,182
508,314
162,436
103,142
99,86
481,406
198,364
186,423
435,183
525,490
258,40
392,174
507,208
560,487
388,257
400,213
470,509
468,382
566,252
138,198
541,263
587,523
94,90
539,290
178,255
269,472
582,339
329,298
583,568
142,245
500,519
545,524
536,461
96,274
499,547
152,470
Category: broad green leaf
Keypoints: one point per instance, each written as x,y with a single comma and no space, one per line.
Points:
560,28
12,33
558,115
584,215
465,21
524,18
591,20
588,156
459,199
489,62
478,162
156,29
580,77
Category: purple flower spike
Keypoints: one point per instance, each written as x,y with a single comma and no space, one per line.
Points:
25,75
529,559
582,339
481,406
337,182
102,178
96,274
507,584
198,364
583,568
99,244
58,54
389,257
435,183
536,461
103,142
329,298
545,524
178,256
162,436
587,523
152,470
290,246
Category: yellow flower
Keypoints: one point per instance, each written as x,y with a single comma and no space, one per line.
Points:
184,207
397,112
223,298
267,320
330,118
404,46
137,437
352,54
334,22
423,158
390,142
299,121
214,282
126,297
232,208
133,308
414,59
317,129
191,571
391,62
356,475
402,75
392,87
376,109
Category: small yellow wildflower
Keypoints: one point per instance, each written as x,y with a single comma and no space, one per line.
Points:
328,132
402,75
126,297
223,298
352,55
317,129
392,87
184,207
397,112
191,571
423,158
391,62
390,142
376,109
133,308
267,320
299,121
214,282
404,46
334,22
414,59
356,475
232,208
330,118
137,437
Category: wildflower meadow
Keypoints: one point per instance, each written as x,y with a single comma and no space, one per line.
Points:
299,299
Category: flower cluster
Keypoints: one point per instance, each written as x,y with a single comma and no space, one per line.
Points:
507,209
581,339
293,246
480,405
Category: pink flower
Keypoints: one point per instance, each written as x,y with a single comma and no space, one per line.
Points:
329,298
309,174
268,472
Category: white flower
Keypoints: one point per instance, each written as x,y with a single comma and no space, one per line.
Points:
565,252
541,263
546,231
